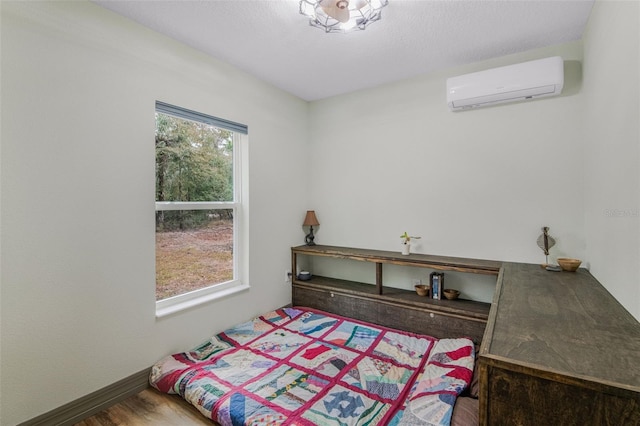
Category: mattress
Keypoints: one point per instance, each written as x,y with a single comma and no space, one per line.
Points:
300,366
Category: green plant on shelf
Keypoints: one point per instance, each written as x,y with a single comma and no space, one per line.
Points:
406,238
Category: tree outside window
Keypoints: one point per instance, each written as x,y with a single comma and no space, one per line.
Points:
195,203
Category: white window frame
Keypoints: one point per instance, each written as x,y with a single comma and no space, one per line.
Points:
180,302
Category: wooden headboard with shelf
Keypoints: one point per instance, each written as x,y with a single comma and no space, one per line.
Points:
393,307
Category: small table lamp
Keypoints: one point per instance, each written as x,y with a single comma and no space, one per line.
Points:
310,220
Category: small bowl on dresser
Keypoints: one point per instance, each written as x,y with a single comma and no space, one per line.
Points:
422,289
304,276
568,264
451,294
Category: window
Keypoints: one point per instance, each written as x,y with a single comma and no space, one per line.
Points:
198,207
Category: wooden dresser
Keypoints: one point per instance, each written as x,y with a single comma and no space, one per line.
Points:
558,350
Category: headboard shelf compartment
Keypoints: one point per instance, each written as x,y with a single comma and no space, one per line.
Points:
441,263
460,307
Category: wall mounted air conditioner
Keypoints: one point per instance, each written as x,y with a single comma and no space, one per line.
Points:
519,82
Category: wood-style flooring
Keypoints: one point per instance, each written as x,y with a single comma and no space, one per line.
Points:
148,408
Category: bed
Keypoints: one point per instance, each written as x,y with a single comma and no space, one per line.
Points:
302,366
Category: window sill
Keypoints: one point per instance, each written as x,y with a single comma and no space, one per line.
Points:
166,311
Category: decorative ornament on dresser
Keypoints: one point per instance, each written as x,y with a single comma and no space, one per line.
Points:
310,220
406,243
545,242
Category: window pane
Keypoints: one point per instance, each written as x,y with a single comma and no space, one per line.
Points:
194,249
194,161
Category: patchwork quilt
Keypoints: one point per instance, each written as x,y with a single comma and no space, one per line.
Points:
299,366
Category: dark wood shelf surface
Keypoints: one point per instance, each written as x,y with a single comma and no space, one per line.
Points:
444,263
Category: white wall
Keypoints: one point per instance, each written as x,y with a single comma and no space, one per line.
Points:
612,148
79,85
477,183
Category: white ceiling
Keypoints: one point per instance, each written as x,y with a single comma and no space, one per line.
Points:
273,41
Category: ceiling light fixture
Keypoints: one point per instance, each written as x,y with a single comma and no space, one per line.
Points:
342,15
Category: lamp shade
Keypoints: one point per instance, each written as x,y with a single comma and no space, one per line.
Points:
311,219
